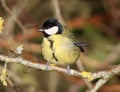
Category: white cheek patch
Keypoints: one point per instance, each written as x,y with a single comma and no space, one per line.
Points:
51,31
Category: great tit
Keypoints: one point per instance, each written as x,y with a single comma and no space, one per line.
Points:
59,45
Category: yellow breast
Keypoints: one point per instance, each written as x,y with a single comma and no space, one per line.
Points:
63,51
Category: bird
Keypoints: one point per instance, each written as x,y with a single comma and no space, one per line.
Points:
59,46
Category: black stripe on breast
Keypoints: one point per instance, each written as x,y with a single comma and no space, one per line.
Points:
54,57
51,46
51,43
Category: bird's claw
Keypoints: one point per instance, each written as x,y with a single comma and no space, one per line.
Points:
47,66
68,70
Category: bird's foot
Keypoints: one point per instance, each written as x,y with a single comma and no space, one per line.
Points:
68,70
47,66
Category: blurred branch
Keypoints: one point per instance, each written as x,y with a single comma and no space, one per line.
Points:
81,68
31,47
57,11
53,80
103,75
16,12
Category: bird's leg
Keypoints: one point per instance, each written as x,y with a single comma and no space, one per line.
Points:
47,65
68,69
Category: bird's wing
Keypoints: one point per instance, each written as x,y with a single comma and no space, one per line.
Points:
68,34
79,44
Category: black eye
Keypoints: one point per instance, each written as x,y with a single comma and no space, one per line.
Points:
47,27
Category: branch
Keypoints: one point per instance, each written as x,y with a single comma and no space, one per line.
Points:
38,65
103,76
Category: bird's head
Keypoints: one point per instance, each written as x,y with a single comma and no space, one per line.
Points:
51,26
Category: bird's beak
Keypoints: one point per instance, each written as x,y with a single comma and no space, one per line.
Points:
40,30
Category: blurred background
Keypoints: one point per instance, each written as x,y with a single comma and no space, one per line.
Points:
96,22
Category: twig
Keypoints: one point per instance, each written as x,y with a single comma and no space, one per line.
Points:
4,5
52,85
